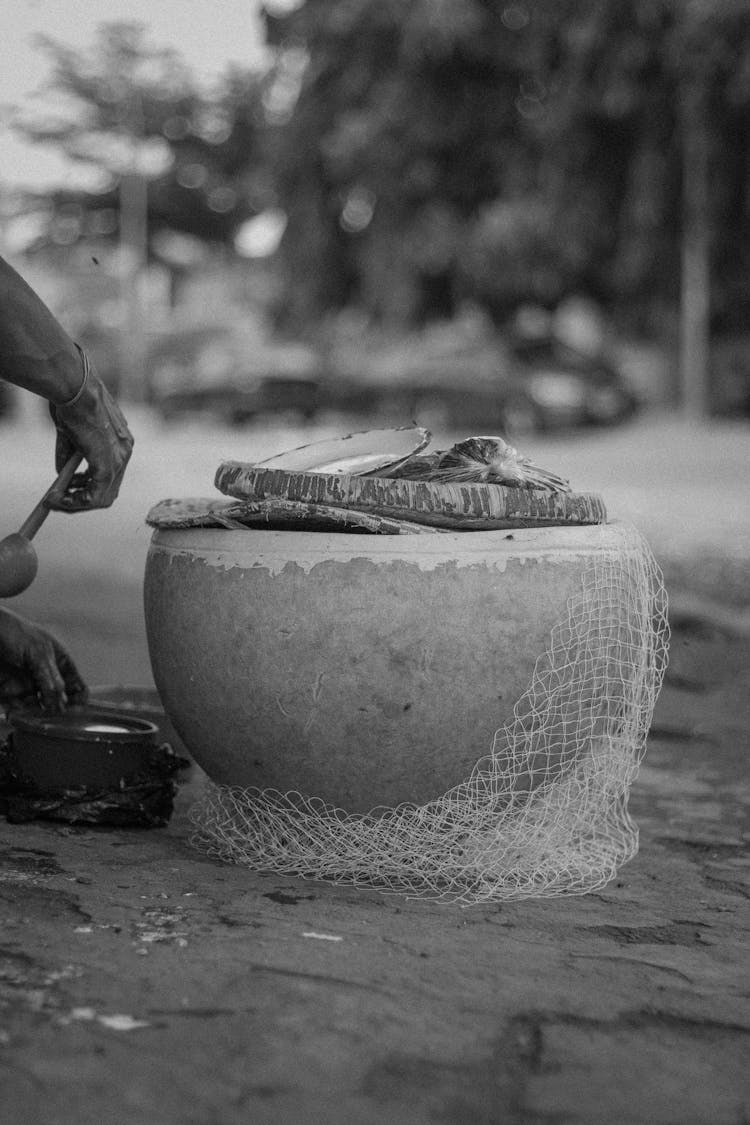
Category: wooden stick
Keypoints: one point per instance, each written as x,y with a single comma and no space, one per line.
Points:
36,518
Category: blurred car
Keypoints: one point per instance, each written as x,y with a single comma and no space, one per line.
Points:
510,384
445,375
729,377
556,386
237,403
213,371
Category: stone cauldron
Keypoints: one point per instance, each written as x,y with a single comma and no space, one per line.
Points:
364,670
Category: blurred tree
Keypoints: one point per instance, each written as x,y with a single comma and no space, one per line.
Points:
127,107
648,138
173,160
711,61
429,151
394,122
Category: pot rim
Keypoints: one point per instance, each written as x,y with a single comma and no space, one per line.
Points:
258,547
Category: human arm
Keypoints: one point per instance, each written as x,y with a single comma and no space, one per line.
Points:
35,667
37,354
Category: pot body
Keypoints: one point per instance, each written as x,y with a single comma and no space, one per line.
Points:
364,670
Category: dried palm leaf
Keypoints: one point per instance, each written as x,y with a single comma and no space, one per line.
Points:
358,454
480,460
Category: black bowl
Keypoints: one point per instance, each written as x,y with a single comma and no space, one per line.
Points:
82,747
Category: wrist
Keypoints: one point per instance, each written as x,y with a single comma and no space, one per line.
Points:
84,392
84,379
78,386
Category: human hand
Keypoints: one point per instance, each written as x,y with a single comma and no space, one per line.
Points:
34,667
94,426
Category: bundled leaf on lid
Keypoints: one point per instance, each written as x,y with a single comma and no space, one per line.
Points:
479,460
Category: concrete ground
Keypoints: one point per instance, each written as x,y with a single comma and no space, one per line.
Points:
142,982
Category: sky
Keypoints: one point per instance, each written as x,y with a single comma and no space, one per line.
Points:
208,36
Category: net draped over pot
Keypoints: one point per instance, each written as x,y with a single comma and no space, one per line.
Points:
543,813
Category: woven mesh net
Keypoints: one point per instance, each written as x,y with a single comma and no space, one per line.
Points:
544,813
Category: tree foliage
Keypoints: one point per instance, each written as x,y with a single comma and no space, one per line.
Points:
430,152
125,104
504,152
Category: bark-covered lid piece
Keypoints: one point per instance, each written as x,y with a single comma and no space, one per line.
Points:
459,506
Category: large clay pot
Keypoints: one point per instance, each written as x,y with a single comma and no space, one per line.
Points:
365,670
